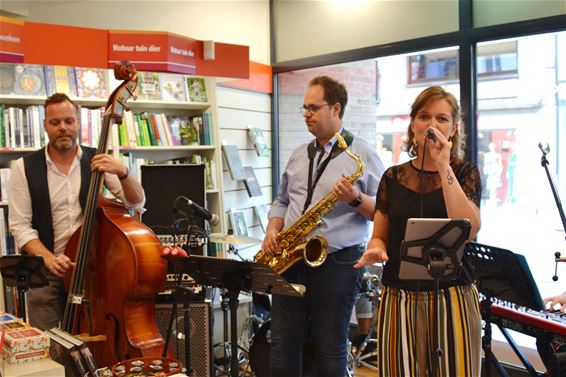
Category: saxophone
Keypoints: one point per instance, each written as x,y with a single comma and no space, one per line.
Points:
291,243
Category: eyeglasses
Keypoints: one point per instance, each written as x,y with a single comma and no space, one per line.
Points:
311,109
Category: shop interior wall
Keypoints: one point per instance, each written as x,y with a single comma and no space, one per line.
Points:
310,28
237,110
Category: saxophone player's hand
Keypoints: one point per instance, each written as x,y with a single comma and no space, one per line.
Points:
344,190
269,244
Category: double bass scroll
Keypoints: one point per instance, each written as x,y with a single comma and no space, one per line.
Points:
118,271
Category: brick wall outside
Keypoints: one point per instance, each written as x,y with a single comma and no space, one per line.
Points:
359,117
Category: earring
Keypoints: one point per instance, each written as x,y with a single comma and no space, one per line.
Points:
450,138
413,151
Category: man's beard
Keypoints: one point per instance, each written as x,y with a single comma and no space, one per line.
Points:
63,147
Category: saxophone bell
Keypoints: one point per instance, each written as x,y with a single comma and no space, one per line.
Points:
315,250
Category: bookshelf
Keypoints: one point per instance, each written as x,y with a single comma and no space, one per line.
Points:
136,155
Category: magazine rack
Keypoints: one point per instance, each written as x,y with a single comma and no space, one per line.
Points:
233,276
23,272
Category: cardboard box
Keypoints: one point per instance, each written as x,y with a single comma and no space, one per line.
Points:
13,325
5,317
16,358
26,339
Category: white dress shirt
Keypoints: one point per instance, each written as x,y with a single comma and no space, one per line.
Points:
66,210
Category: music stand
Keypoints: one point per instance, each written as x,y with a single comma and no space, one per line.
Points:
234,276
440,242
504,275
23,272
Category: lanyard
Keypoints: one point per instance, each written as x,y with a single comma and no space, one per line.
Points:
335,151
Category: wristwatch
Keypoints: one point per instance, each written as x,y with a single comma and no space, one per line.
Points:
356,202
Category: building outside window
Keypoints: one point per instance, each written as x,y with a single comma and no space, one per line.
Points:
521,86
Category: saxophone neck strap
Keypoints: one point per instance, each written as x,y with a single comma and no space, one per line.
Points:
312,149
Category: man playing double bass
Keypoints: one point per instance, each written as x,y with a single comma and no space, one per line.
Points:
48,190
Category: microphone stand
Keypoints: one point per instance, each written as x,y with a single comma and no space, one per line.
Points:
544,163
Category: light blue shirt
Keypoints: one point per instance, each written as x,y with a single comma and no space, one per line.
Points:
343,226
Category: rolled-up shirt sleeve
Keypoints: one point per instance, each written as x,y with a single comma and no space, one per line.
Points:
19,205
113,184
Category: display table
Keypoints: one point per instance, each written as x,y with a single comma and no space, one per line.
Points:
39,368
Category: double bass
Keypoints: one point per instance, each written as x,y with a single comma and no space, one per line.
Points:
118,268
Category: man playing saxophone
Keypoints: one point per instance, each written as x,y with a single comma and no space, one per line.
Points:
318,174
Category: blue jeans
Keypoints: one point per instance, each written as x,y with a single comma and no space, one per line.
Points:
326,307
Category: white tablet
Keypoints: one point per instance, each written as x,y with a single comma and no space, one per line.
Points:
446,234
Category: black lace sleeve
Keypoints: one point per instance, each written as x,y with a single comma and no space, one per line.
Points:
469,177
382,197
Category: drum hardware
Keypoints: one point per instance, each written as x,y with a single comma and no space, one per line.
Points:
371,289
222,365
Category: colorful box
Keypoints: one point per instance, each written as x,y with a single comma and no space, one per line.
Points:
23,340
13,325
15,358
5,317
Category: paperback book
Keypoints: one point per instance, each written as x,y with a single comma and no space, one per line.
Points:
259,142
251,183
232,158
197,89
7,78
148,86
91,82
30,80
172,87
262,212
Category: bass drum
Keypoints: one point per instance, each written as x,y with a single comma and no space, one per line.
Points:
260,353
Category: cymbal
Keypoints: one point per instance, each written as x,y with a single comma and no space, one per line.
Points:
233,239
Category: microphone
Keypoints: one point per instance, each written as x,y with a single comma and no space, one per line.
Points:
202,212
430,134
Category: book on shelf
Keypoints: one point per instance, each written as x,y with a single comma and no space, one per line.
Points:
262,212
91,82
259,142
233,161
251,183
238,222
60,79
179,131
172,87
148,86
197,89
29,80
7,78
190,131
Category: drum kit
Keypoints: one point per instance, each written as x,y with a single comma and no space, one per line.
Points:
254,344
255,341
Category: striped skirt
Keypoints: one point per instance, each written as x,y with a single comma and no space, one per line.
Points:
405,332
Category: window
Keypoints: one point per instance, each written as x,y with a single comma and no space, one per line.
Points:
494,60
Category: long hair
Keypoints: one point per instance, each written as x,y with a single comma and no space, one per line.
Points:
428,95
